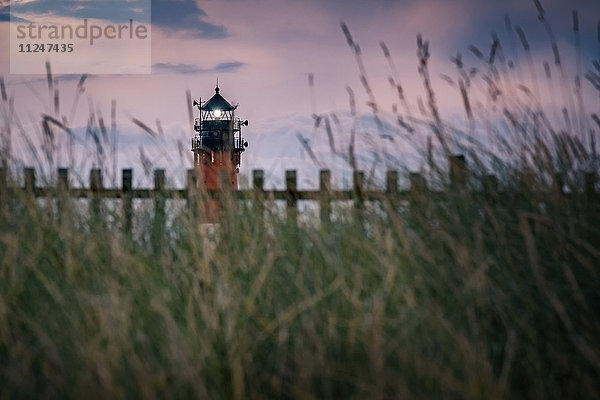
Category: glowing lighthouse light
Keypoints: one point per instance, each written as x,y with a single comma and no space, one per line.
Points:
217,113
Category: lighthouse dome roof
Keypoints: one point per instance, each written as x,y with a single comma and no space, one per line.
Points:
217,102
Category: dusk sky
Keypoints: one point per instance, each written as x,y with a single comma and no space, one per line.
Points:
263,51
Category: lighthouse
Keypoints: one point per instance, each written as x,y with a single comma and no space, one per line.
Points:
218,143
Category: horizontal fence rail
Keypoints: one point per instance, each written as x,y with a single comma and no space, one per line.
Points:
325,192
325,195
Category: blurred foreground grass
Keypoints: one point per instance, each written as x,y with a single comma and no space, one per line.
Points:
468,297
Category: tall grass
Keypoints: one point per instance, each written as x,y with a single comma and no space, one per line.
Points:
487,293
469,297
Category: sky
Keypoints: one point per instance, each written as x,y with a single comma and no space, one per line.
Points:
284,62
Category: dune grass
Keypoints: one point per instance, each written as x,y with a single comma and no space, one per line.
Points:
478,295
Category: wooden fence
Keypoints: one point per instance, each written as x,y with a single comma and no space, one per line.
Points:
325,194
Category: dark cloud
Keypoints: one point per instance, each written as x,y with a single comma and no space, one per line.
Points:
191,69
184,18
231,66
110,10
61,78
5,15
185,69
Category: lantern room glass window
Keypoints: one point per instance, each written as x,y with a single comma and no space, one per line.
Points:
215,115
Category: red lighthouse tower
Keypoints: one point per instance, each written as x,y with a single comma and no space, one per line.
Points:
218,143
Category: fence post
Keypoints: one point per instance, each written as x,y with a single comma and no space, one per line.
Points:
391,182
192,191
30,181
325,196
258,180
3,186
158,230
258,184
63,180
458,172
95,180
417,183
292,195
96,188
358,178
127,203
418,199
62,192
391,189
